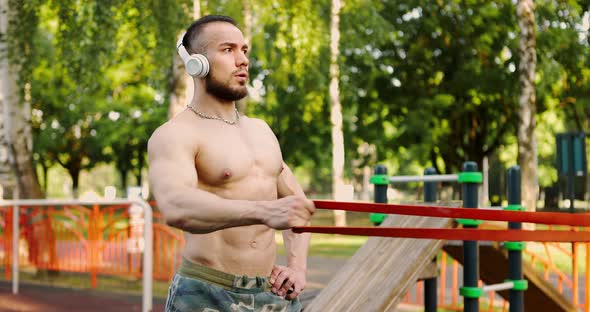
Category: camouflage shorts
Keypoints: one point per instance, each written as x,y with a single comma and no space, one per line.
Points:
202,289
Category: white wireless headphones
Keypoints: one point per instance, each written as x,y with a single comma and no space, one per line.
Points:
196,65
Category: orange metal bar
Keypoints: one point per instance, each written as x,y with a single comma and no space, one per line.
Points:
8,243
549,257
52,240
575,274
93,231
100,235
455,282
587,278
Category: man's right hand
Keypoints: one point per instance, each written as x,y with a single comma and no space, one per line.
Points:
288,212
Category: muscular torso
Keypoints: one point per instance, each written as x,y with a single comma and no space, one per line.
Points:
241,161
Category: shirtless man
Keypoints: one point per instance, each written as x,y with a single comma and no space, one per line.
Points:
219,176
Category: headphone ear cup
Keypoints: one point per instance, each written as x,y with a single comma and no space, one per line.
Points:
194,66
204,65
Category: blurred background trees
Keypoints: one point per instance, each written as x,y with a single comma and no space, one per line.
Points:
421,83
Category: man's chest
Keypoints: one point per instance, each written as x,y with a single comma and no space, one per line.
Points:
227,156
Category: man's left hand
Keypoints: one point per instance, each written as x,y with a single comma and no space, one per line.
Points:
287,282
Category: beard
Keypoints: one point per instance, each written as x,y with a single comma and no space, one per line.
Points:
223,91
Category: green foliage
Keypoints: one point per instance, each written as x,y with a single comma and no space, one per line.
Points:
428,83
435,77
563,77
23,20
100,88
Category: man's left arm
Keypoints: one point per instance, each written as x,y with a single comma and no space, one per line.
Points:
289,281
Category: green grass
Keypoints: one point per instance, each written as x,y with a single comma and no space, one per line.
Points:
328,245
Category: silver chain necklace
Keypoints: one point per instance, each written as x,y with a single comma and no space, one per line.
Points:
229,122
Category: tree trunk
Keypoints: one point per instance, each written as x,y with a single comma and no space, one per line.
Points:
242,104
45,176
336,115
139,168
17,167
123,175
527,142
74,172
182,84
8,98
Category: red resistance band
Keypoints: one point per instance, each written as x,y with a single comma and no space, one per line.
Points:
453,234
555,218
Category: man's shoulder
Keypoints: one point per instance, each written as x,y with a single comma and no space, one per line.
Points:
259,123
170,132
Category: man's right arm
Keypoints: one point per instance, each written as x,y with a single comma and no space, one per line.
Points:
174,181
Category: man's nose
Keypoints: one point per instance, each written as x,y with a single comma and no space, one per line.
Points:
242,60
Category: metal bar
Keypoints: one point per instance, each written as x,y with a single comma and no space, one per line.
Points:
71,202
428,178
466,234
516,297
148,236
498,287
470,247
15,232
550,218
430,299
587,279
148,256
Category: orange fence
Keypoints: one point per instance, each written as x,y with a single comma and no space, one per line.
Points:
99,240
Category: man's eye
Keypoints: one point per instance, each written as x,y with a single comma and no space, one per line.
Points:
227,50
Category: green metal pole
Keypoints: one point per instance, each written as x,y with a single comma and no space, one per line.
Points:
470,290
381,182
516,296
430,300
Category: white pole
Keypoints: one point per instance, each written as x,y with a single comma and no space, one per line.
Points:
425,178
497,287
15,234
148,261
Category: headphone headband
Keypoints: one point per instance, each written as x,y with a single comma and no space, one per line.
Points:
196,65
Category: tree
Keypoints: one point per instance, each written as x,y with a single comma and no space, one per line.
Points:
336,113
65,91
289,70
182,84
430,83
8,98
17,140
527,142
242,104
138,86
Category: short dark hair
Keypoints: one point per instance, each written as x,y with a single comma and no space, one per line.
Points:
195,29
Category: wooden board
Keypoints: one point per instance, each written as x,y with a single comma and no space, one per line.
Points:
493,269
381,271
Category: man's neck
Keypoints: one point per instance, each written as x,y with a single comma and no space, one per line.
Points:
213,106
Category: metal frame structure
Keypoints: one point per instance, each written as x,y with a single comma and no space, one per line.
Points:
147,279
